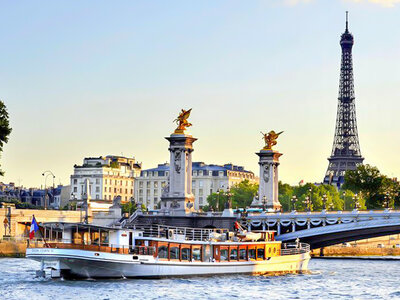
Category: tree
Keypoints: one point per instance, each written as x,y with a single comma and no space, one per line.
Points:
242,196
5,128
370,184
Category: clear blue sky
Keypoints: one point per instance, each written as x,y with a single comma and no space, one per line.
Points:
90,78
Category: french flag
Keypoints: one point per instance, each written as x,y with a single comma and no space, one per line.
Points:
34,228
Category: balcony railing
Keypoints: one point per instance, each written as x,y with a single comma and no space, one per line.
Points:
103,247
292,249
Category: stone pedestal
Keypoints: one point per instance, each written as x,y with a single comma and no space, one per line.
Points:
268,189
177,198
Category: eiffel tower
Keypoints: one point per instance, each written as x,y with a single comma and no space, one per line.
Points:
346,153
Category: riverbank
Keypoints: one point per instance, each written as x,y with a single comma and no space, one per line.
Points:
12,249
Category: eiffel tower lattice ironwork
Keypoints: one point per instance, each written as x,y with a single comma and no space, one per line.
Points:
346,153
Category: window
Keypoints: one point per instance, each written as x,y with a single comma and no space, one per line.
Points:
105,190
260,253
173,252
163,184
200,192
97,197
115,190
234,254
126,191
97,180
155,192
252,253
242,254
163,252
196,253
156,184
75,189
224,255
148,184
97,189
75,181
109,189
140,184
148,192
140,192
105,181
221,173
185,253
200,183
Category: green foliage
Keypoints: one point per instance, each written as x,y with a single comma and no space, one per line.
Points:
242,195
334,198
129,207
114,165
22,205
369,183
5,128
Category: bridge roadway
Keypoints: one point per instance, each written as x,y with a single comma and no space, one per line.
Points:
321,229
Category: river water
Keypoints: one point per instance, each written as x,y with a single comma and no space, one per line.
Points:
328,279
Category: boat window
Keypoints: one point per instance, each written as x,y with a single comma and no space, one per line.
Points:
260,253
234,254
174,252
224,255
163,252
252,253
196,253
243,254
185,252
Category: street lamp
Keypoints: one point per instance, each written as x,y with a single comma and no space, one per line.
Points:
293,201
264,199
229,195
47,174
386,201
324,202
356,203
310,190
307,203
344,200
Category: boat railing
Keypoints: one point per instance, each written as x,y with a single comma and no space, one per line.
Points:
102,247
296,248
179,233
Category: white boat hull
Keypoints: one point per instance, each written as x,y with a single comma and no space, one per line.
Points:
91,264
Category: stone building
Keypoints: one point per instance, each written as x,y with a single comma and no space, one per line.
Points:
207,179
109,177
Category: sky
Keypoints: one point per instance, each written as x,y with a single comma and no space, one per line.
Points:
92,78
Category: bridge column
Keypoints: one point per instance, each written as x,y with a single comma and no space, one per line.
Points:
278,228
293,226
263,226
308,224
249,227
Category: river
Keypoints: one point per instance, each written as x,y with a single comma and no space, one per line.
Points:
328,279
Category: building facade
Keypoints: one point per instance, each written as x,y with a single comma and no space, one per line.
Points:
207,179
109,177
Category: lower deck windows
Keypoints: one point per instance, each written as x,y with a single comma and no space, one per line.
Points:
163,252
224,255
174,253
185,254
252,253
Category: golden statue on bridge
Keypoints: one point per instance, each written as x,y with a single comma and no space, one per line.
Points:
270,139
182,121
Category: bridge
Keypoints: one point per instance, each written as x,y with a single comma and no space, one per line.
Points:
321,229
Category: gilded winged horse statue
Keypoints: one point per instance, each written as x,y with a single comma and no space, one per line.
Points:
182,121
270,139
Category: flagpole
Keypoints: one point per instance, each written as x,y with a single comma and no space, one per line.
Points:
41,233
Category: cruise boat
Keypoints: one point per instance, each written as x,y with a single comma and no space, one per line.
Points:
155,251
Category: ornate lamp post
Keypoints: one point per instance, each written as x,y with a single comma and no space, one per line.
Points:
386,201
307,203
47,174
264,199
229,196
344,200
356,203
310,190
293,201
324,202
